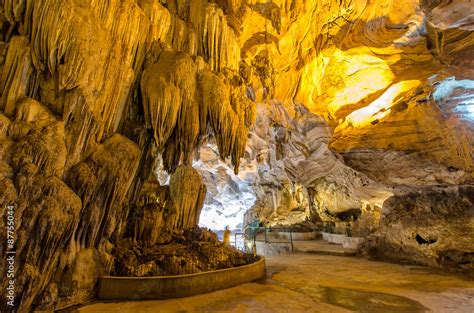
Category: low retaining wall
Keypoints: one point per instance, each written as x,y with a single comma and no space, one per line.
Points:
298,236
166,287
352,242
273,248
325,235
334,238
347,242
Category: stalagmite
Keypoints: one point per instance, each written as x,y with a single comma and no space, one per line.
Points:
102,182
187,192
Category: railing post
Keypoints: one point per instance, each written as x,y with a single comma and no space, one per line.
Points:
254,248
291,241
254,236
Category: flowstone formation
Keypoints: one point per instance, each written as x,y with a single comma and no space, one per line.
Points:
92,93
357,101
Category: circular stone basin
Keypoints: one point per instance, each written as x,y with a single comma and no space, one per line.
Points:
166,287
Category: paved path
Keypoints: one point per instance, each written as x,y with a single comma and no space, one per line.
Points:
304,282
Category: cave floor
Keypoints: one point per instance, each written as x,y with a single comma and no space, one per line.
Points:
320,283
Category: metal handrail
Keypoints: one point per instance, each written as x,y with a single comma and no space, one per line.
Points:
235,242
252,232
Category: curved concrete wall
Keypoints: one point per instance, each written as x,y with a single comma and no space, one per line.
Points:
165,287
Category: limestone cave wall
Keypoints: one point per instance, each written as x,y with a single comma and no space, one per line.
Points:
355,98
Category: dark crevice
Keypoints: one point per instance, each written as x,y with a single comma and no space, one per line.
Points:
423,241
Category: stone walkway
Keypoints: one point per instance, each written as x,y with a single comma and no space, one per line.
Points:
321,283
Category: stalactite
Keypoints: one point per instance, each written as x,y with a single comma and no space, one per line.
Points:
170,90
219,42
102,182
16,74
230,130
97,54
93,91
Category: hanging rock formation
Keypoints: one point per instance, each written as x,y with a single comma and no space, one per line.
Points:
357,100
179,102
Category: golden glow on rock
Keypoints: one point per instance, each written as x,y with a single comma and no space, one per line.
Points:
380,108
360,75
310,86
339,82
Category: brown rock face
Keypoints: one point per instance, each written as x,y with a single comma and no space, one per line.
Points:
196,250
429,226
357,99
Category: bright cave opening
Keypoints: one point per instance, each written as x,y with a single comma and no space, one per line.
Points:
228,196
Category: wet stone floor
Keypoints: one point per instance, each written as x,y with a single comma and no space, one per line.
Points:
319,283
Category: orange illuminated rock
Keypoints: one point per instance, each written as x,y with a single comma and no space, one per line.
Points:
355,99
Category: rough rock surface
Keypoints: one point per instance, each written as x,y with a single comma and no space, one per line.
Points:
196,250
299,178
431,226
95,93
288,174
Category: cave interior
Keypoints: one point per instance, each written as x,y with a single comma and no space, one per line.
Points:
133,132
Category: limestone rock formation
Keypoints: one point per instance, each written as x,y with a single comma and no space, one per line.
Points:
288,173
187,193
77,82
178,105
299,174
429,226
356,100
